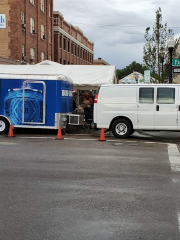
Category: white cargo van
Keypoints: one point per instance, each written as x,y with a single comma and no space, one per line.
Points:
126,108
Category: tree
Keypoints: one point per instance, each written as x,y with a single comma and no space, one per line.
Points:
155,51
133,67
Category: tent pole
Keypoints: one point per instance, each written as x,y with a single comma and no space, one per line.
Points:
77,97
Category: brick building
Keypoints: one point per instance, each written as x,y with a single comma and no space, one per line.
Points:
26,30
70,44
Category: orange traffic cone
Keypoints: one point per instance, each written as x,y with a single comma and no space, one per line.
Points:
59,135
102,136
10,131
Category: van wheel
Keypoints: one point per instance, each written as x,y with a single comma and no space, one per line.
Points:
4,125
122,128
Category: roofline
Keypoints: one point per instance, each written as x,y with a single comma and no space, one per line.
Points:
60,30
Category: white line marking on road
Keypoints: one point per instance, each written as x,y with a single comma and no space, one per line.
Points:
38,137
80,139
7,143
174,157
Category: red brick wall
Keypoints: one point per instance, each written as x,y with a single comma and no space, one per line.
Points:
61,54
15,36
4,36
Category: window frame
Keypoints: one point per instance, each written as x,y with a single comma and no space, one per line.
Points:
140,92
42,56
174,92
32,53
64,43
22,17
32,2
50,36
32,24
50,10
42,6
42,31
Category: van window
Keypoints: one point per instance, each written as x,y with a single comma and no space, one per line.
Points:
166,95
146,95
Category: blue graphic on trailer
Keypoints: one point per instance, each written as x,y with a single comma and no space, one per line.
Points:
33,105
35,102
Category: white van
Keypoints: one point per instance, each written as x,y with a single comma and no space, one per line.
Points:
126,108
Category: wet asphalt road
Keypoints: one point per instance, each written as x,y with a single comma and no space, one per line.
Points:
86,189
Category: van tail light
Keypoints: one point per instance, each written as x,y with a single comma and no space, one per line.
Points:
96,98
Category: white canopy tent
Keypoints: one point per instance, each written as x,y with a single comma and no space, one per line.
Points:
85,77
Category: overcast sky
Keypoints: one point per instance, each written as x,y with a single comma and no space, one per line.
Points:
117,27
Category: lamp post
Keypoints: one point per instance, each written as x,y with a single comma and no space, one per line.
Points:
170,45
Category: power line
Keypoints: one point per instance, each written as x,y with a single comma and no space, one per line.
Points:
114,25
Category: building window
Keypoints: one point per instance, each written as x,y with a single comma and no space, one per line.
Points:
22,18
75,50
60,41
64,62
60,60
50,58
32,55
81,53
42,5
42,56
72,48
68,46
79,37
32,2
31,25
50,39
64,43
49,10
42,32
23,52
78,51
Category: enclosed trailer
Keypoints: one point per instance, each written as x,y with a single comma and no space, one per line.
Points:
35,101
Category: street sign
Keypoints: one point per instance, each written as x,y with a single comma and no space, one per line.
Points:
176,70
176,62
147,76
2,20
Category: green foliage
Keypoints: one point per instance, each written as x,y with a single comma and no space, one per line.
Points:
155,51
133,67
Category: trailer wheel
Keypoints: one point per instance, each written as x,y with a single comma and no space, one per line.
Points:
4,125
122,128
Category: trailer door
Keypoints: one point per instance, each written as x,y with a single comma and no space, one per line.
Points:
166,114
34,102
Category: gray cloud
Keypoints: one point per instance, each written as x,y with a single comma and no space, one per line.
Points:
117,27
